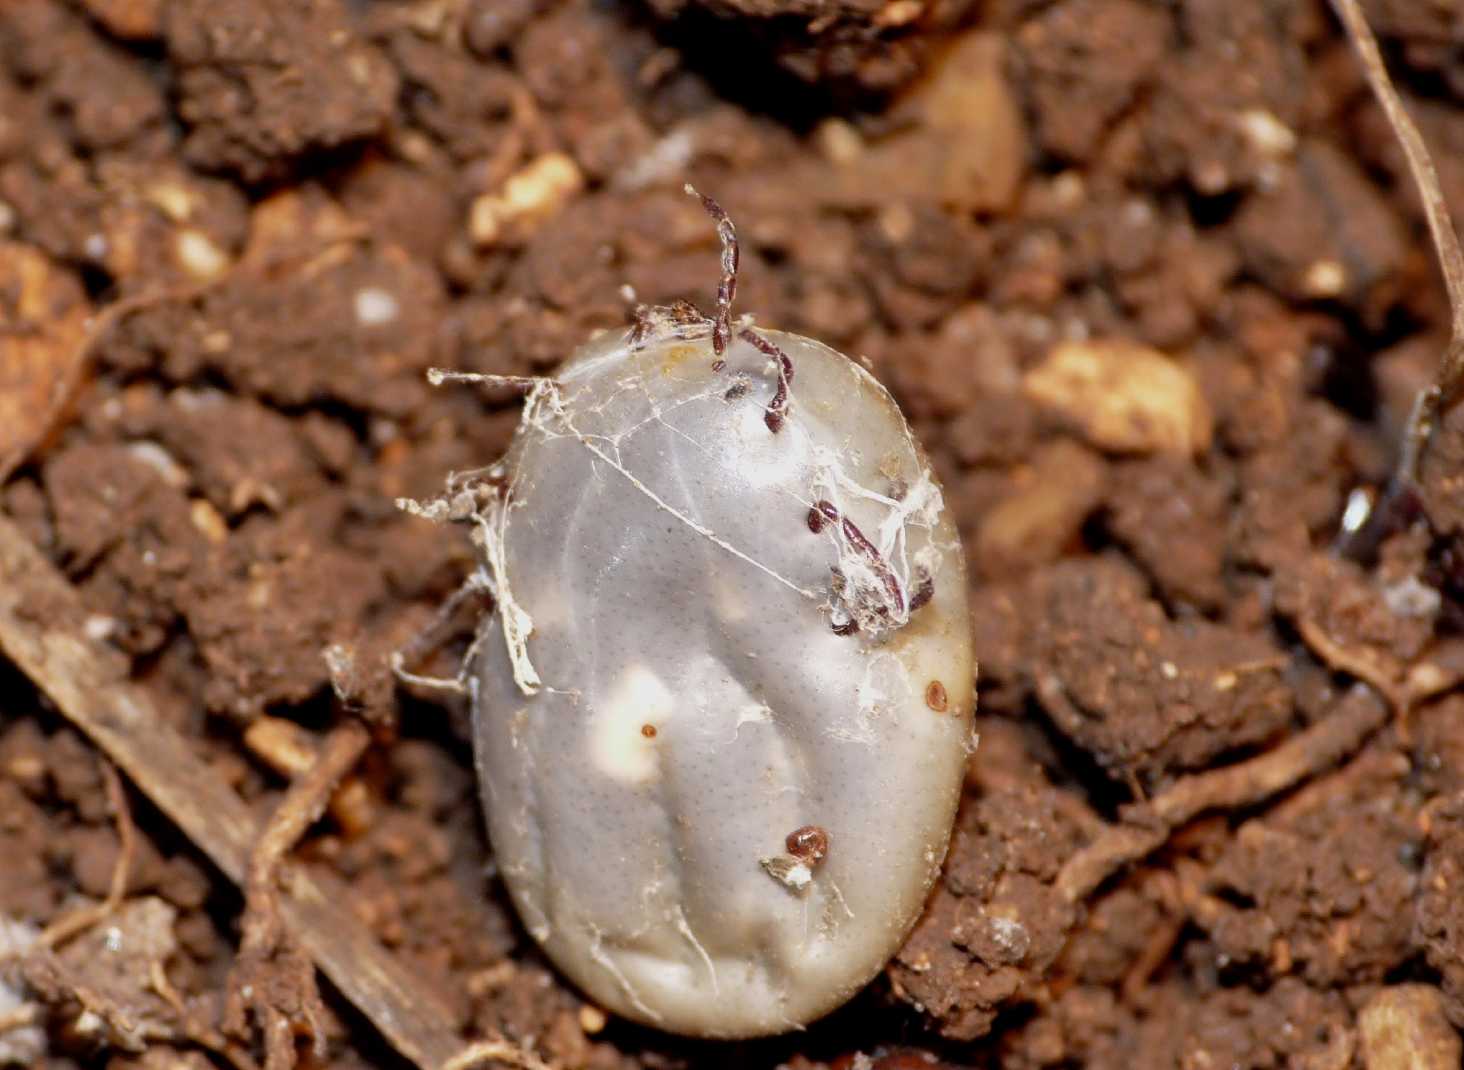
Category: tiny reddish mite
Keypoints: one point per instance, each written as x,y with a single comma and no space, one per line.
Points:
808,844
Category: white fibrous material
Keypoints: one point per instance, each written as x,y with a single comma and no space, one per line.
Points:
23,1045
725,587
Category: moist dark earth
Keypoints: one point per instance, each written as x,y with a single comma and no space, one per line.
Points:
234,234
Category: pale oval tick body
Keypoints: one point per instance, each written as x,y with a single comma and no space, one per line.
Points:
715,782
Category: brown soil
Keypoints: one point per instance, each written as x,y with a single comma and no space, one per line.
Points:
278,214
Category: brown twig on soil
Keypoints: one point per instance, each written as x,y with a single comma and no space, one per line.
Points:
42,632
273,977
497,1050
1147,826
64,928
291,751
1450,378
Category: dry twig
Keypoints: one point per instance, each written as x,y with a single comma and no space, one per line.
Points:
1444,391
273,977
41,631
1146,827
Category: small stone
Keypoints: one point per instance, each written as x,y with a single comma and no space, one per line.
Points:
529,197
1124,397
1403,1027
199,255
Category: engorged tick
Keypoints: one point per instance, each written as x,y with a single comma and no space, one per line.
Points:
635,541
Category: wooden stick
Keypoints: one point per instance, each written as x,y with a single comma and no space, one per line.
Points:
41,618
271,977
1450,378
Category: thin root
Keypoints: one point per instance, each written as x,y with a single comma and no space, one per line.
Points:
101,325
1154,954
63,929
189,1024
497,1050
1147,826
1371,667
272,977
107,318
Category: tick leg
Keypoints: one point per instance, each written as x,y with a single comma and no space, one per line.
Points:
866,549
778,407
727,288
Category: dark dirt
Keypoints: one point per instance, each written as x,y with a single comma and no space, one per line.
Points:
280,213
